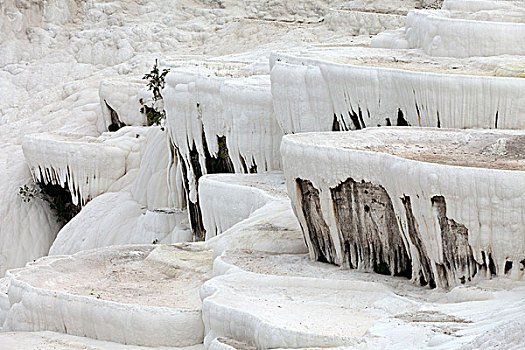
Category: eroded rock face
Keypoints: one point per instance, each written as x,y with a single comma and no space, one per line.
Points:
367,222
372,238
458,260
318,230
425,274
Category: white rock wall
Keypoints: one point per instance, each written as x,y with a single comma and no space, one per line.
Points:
122,97
355,22
308,92
220,124
36,308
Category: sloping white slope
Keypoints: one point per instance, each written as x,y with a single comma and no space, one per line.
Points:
272,228
28,228
286,301
144,212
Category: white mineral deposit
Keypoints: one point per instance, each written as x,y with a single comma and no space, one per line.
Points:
262,174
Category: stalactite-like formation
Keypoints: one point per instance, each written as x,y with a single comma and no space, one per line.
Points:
220,125
318,231
367,222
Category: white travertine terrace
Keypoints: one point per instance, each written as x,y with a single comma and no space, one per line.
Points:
281,301
253,308
228,199
86,166
447,34
275,226
451,201
140,295
323,89
257,206
441,207
463,29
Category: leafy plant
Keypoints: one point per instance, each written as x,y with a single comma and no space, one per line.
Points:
156,82
223,149
58,198
28,193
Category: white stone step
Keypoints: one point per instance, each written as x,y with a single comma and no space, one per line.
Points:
227,199
56,341
139,295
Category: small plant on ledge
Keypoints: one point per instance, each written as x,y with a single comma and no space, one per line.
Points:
154,111
58,198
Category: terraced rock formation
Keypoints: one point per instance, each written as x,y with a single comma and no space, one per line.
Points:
433,204
332,252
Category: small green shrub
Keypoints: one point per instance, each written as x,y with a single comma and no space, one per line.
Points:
29,192
58,198
156,81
